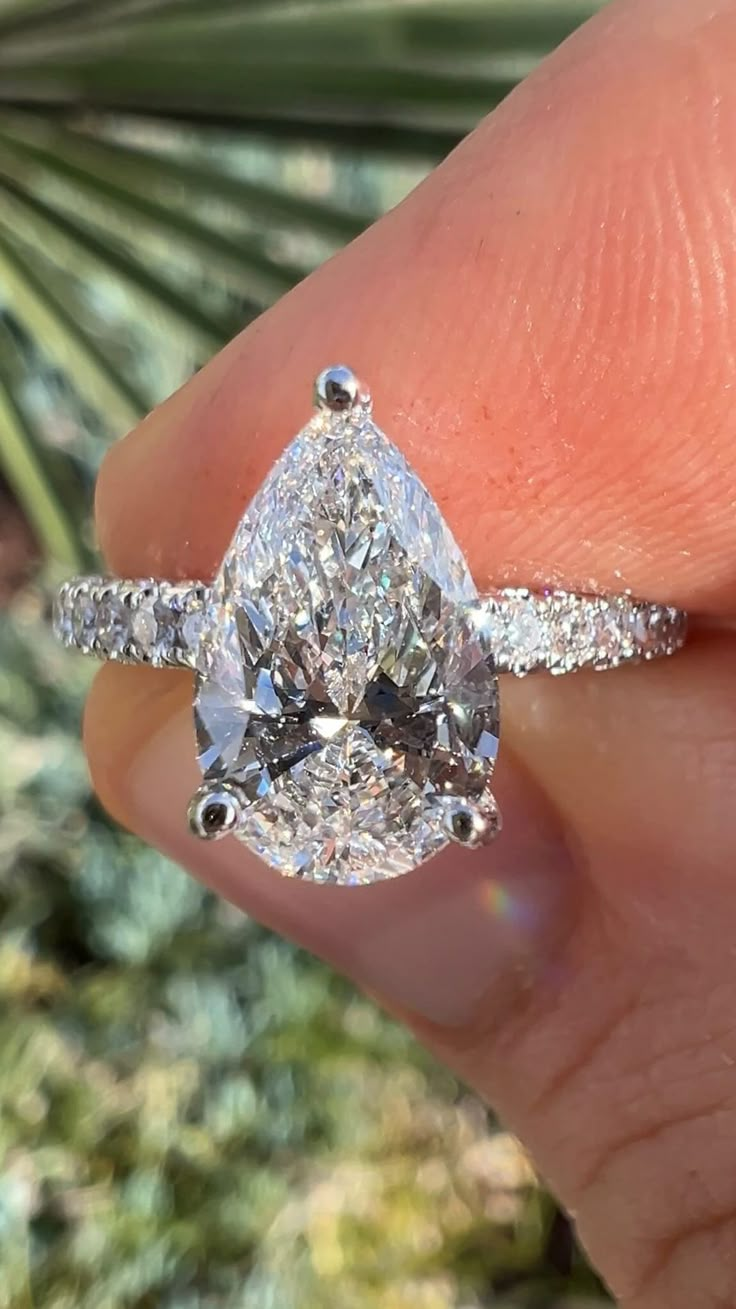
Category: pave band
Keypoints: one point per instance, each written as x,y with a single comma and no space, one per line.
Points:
160,624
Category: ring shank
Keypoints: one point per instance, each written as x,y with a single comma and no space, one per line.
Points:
142,621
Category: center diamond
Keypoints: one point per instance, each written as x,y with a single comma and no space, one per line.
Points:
345,689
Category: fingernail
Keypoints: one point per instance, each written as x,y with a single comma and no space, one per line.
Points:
435,942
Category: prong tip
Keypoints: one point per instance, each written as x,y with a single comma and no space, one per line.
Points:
338,390
471,823
214,812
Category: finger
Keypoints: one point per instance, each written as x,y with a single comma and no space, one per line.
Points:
571,356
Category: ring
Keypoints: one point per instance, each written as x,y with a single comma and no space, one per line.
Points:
346,704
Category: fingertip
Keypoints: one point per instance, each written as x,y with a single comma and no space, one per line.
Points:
125,707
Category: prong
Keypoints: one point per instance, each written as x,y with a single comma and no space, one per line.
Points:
338,390
215,811
473,823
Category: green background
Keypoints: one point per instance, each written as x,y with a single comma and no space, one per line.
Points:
193,1114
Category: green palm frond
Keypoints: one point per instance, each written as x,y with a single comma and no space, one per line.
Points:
25,462
44,312
171,167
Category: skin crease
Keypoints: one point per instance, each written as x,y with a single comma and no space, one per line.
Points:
545,325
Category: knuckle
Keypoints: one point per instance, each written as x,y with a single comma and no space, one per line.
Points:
660,1198
658,1186
695,1266
635,1120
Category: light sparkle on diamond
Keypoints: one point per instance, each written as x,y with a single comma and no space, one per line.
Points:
344,686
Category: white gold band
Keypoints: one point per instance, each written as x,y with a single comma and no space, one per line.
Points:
159,623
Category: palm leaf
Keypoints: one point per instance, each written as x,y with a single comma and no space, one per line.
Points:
61,228
262,278
47,319
190,162
25,465
144,168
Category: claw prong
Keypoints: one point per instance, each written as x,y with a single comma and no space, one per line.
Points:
215,811
472,822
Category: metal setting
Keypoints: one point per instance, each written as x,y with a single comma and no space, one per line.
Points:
215,811
347,704
473,824
338,390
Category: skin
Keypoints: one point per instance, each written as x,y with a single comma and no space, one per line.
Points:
545,326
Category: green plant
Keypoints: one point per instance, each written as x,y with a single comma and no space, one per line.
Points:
149,173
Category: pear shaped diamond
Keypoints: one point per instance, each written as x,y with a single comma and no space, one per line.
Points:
346,692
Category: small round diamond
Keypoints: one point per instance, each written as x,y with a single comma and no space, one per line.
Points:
166,615
646,629
84,619
191,629
113,624
524,632
145,629
608,637
63,618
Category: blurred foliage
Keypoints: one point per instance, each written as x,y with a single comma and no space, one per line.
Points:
194,1115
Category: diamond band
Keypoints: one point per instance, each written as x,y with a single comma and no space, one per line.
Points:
132,622
161,624
347,705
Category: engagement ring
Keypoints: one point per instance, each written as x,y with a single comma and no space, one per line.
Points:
347,702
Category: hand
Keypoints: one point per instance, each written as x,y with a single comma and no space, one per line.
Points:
546,326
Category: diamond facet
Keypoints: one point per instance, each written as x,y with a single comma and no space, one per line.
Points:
345,687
